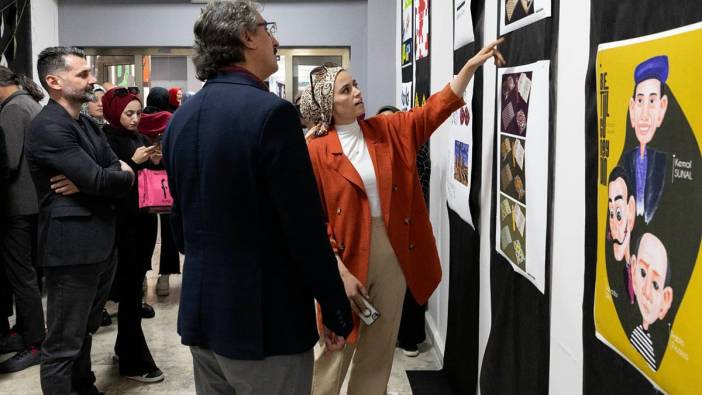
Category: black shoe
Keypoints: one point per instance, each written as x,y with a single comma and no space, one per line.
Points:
22,360
106,319
147,378
411,350
147,311
11,342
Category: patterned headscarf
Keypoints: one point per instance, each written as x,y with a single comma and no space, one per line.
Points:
84,106
317,102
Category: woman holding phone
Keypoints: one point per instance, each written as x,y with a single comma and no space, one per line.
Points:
136,234
378,223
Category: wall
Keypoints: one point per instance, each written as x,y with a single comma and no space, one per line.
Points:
45,28
168,23
169,71
569,202
381,87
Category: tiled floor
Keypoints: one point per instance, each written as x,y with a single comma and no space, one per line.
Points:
173,358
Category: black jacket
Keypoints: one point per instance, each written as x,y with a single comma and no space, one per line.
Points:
77,229
124,144
248,217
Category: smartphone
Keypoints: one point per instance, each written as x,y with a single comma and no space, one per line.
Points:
369,314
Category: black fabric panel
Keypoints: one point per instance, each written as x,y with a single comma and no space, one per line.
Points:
407,73
461,356
422,91
516,358
604,371
429,382
461,351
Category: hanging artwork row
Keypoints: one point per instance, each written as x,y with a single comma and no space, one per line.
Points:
522,166
648,290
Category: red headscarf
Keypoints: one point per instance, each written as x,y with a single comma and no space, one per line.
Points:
151,125
113,105
173,97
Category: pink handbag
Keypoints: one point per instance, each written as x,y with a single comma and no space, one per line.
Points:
154,193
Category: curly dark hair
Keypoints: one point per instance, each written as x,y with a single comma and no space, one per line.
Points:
9,77
218,34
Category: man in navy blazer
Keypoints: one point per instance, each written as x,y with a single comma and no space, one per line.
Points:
248,217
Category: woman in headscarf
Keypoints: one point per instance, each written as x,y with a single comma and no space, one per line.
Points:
175,96
93,109
157,100
378,223
157,104
136,232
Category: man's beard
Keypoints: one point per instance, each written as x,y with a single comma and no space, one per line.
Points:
80,96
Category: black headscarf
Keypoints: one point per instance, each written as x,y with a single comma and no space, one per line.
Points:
157,100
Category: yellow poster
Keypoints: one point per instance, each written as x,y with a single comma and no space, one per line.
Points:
648,292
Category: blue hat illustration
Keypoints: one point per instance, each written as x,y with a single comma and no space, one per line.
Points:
656,67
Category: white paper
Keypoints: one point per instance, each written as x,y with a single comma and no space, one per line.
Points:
406,96
462,24
457,192
535,164
519,219
406,20
509,9
518,153
524,87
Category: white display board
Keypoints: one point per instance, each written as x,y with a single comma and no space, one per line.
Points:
462,24
522,161
460,159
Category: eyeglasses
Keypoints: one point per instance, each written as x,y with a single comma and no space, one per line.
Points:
122,91
271,27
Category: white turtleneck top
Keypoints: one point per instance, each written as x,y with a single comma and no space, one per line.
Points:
354,146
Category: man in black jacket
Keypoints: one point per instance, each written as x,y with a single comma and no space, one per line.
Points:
248,217
77,176
20,104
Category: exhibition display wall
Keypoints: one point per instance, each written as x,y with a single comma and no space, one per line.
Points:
592,289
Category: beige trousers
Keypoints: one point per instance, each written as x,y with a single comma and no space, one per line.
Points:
372,354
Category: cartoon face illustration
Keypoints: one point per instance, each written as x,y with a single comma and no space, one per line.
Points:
651,277
622,213
647,109
649,102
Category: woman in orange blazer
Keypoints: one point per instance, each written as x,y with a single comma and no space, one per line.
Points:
378,223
